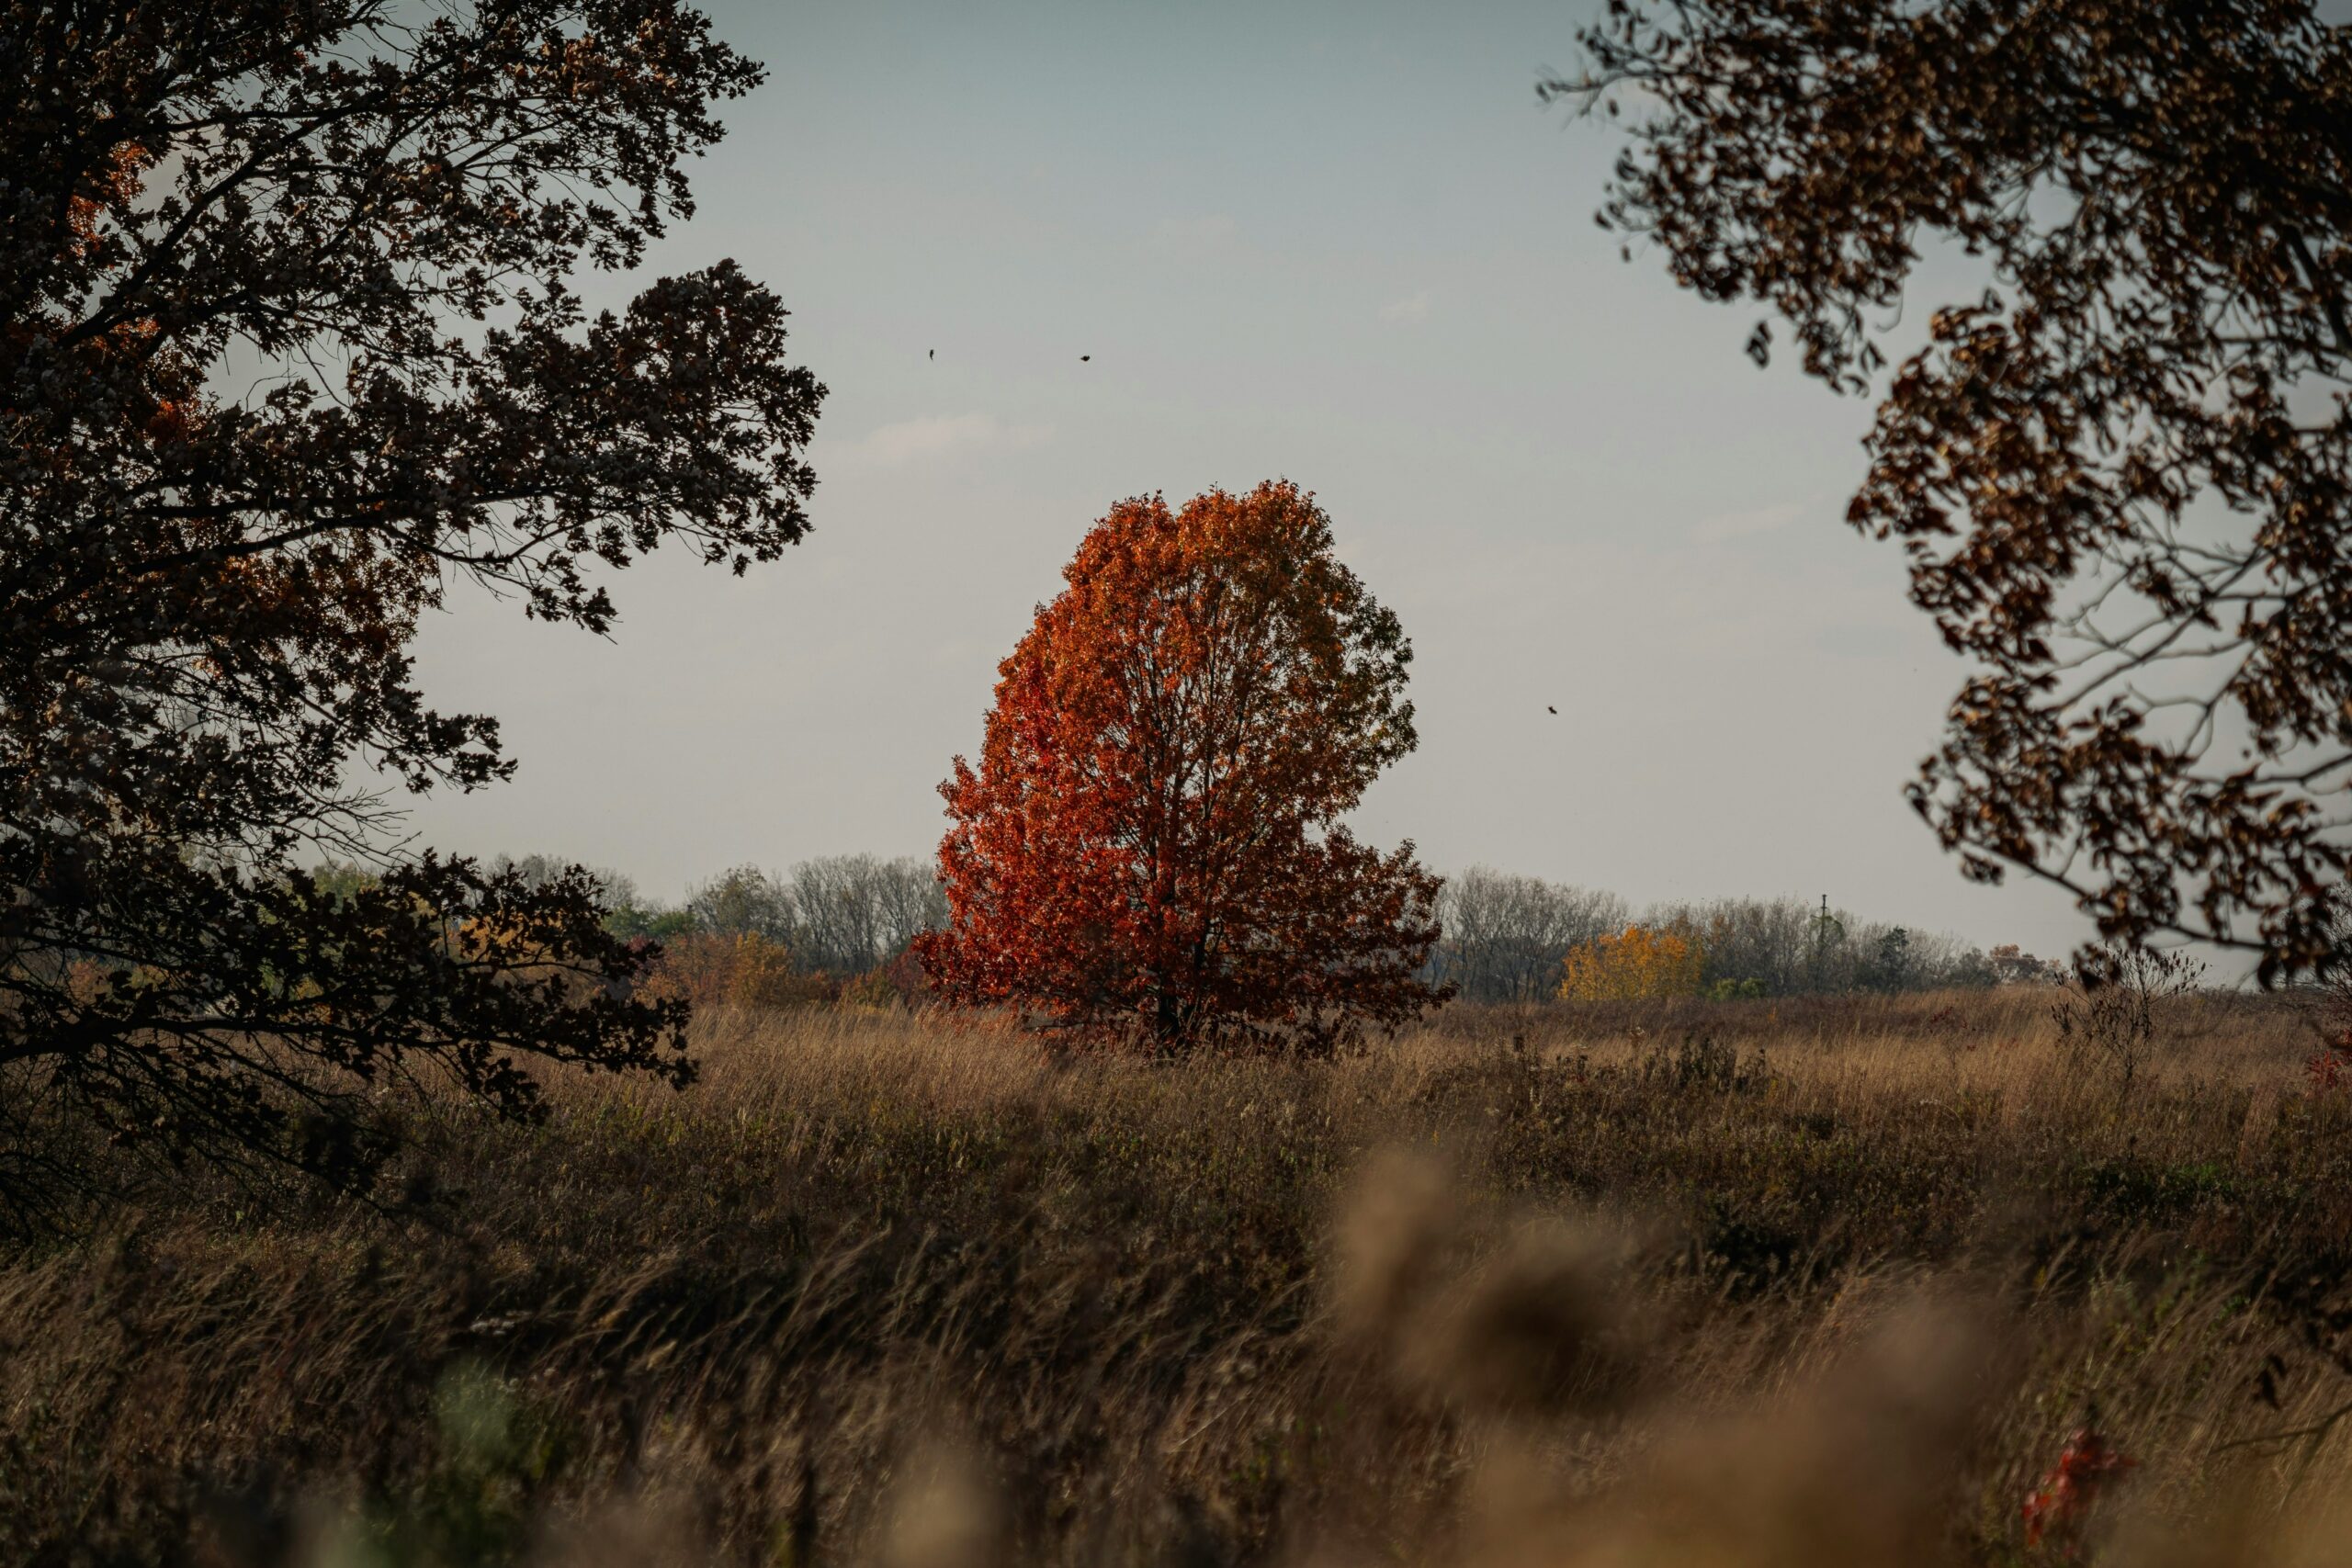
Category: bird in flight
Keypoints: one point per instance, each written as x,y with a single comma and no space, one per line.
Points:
931,353
1084,357
1550,709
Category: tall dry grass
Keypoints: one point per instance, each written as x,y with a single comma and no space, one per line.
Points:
1718,1283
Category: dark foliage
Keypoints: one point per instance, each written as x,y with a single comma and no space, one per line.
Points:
286,349
2122,472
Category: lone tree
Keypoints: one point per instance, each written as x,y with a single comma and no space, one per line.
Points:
287,347
2123,471
1152,848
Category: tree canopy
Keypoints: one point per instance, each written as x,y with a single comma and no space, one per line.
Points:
2121,468
289,346
1152,848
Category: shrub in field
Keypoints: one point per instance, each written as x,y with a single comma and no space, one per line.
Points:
1637,963
2330,1067
746,969
1153,848
2057,1509
2107,1018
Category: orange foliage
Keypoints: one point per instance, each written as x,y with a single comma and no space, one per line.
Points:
107,188
1635,964
1152,847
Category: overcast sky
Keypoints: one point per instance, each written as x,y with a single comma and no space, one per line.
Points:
1339,245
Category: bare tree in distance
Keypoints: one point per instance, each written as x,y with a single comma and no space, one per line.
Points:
839,914
853,913
1767,942
2122,467
1506,935
1782,947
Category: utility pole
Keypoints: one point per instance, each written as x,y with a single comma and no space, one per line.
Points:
1823,924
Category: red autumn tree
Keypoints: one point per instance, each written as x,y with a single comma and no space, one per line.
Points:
1152,848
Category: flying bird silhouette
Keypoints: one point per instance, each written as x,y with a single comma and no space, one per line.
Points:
931,353
1084,357
1549,708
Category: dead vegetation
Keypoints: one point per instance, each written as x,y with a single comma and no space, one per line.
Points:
1828,1281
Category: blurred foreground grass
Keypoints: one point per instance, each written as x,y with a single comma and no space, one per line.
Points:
1833,1281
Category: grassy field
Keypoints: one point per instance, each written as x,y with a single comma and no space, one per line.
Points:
1831,1282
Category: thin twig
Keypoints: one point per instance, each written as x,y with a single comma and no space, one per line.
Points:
2317,1428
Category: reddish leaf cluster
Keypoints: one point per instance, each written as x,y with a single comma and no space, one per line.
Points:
2329,1068
1151,848
2056,1509
2326,1071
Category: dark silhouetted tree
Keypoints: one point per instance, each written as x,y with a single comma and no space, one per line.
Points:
1152,848
288,348
2122,469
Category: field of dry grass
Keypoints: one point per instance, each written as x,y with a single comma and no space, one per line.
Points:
1708,1283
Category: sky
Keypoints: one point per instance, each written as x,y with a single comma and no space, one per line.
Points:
1336,243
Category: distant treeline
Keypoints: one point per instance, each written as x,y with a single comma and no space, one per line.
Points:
836,914
1506,937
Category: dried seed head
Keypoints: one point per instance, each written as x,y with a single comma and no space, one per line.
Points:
1857,1469
943,1513
1550,1322
2233,1520
1394,1234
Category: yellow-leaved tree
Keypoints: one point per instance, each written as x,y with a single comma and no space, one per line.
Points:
1635,964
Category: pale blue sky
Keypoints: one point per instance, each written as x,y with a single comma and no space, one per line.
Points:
1337,243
